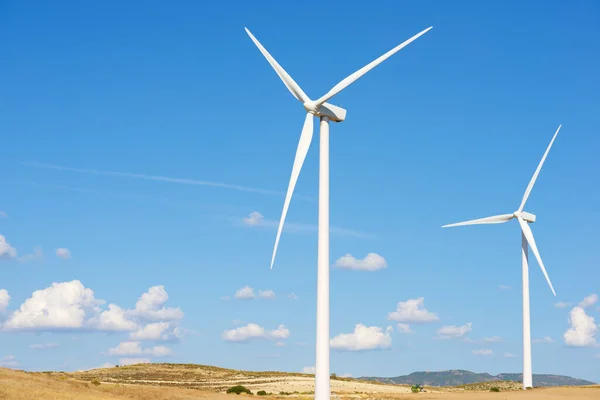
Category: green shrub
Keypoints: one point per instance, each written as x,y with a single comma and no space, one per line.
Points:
415,389
239,389
261,393
495,389
95,381
528,388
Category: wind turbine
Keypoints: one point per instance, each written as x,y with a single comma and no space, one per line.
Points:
325,112
524,219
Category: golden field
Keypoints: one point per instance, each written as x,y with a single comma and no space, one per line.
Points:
190,381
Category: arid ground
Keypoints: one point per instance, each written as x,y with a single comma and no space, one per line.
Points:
189,381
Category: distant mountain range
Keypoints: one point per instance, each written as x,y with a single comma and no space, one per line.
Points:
461,377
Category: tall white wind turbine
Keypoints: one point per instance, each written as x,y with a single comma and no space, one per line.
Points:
325,112
523,218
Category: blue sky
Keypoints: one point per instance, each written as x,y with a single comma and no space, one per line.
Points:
450,128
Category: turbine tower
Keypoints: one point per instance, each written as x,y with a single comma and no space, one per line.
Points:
524,219
325,112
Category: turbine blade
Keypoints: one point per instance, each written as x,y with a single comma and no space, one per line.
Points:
537,172
353,77
529,236
496,219
292,86
302,150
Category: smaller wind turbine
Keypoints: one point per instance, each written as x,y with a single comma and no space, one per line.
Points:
523,218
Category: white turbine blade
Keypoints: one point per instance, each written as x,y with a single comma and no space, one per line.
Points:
285,77
529,236
496,219
303,145
353,77
537,172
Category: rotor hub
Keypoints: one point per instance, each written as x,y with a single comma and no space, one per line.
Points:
311,107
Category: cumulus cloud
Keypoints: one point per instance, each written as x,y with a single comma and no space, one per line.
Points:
510,355
156,331
482,352
412,310
256,219
308,370
266,294
589,301
453,331
363,338
63,253
44,346
493,339
150,306
253,331
72,306
403,328
247,293
372,262
545,339
244,293
134,348
562,304
8,362
60,306
7,252
4,300
582,332
36,255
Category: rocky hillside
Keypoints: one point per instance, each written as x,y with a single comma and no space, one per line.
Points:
461,377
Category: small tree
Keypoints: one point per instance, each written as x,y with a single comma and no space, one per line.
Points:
239,389
95,381
495,389
261,393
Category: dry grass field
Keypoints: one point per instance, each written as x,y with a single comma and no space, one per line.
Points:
188,381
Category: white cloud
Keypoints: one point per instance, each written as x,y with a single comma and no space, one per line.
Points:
453,331
8,361
60,306
255,218
505,287
156,331
3,214
292,296
414,311
404,328
72,306
131,361
308,370
251,331
63,253
150,306
562,304
7,252
372,262
589,301
134,348
44,346
363,338
482,352
244,293
582,332
280,344
493,339
112,320
510,355
4,300
545,339
266,294
36,255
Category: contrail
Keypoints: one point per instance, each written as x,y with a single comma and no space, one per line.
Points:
157,178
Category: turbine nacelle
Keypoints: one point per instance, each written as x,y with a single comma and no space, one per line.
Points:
526,216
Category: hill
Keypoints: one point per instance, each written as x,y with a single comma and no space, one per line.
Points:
458,377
